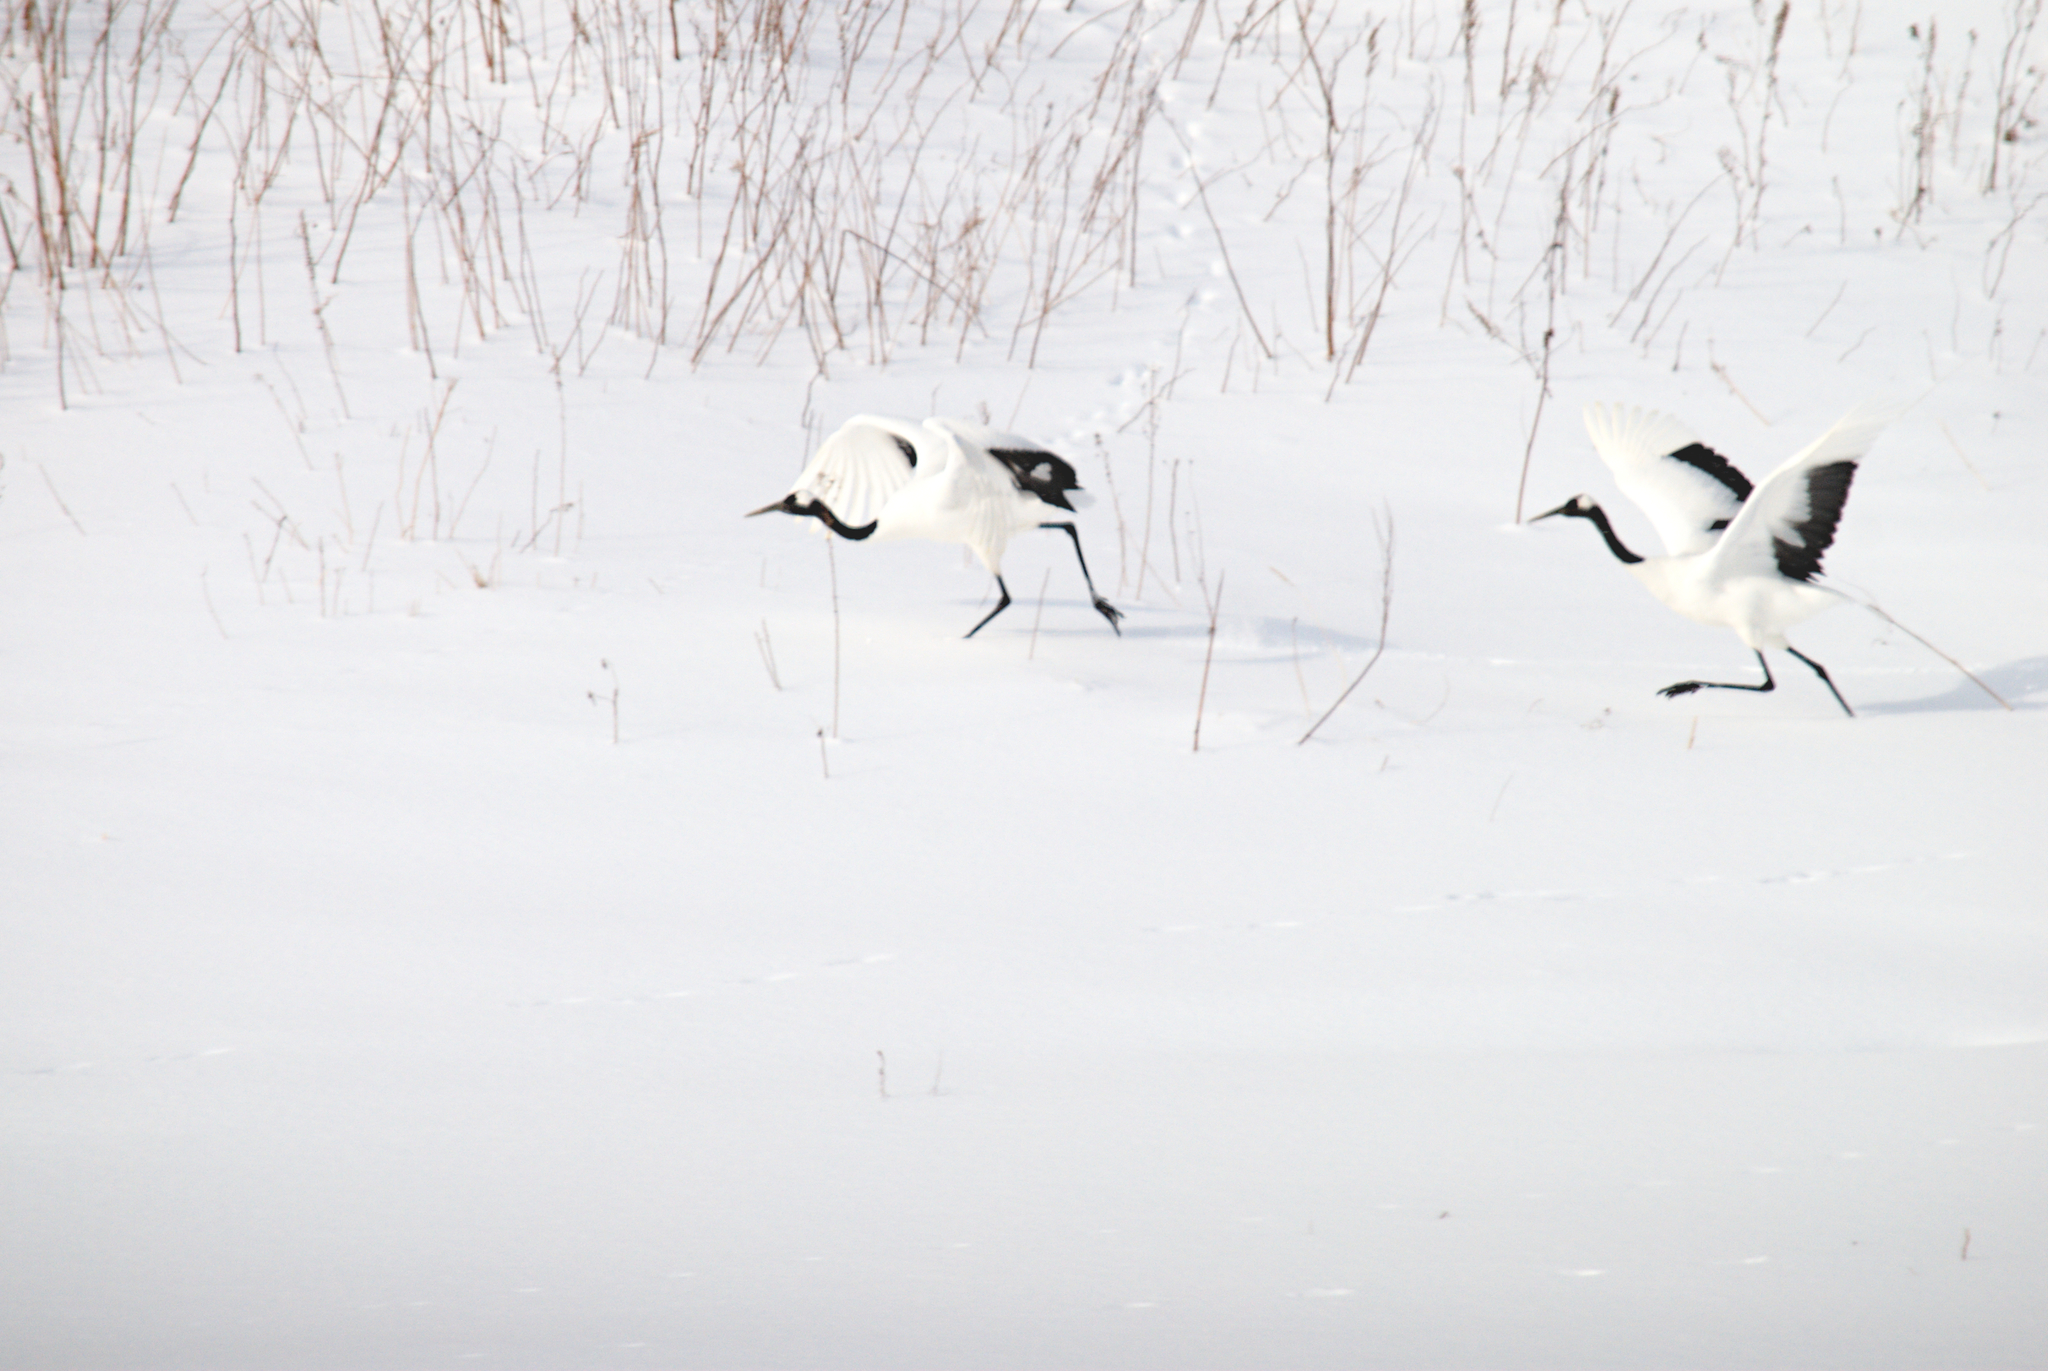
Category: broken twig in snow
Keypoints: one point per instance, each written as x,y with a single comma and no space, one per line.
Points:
1386,536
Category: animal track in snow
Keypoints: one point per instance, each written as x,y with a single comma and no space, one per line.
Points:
1788,878
602,1001
666,996
1232,927
1484,896
161,1060
776,977
1872,869
1808,877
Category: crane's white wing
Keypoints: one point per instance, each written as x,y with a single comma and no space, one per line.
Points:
1689,491
982,436
856,470
960,495
1790,519
1034,467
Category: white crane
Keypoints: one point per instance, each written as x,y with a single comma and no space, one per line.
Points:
947,480
1737,557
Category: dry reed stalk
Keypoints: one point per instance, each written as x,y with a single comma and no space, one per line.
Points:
51,484
1208,654
832,566
1871,605
2018,84
1044,581
1384,531
766,646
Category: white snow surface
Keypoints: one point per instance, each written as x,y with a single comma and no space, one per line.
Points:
876,998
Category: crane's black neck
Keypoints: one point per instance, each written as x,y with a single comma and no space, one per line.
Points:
1586,509
817,509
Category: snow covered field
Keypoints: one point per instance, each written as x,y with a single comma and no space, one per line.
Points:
470,897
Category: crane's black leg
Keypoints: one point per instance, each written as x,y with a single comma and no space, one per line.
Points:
1822,672
1102,606
1001,605
1688,687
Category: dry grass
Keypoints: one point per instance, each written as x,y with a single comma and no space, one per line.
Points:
837,183
868,176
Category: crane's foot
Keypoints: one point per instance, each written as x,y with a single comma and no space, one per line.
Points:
1001,605
1825,679
1109,612
1672,692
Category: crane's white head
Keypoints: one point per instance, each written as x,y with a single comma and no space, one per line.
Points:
1578,507
805,505
796,502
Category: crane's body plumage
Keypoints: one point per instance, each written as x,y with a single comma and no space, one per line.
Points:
1758,608
945,480
1737,557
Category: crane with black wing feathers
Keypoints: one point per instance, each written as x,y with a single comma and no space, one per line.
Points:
1737,556
948,480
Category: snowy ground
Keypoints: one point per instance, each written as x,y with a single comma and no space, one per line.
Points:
920,1002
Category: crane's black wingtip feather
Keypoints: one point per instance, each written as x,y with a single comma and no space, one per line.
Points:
1711,463
1046,475
1827,490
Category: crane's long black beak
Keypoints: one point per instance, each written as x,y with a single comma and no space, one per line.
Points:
1568,507
782,504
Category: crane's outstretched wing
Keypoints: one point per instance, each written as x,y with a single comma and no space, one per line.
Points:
1689,491
856,470
1035,468
1790,519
